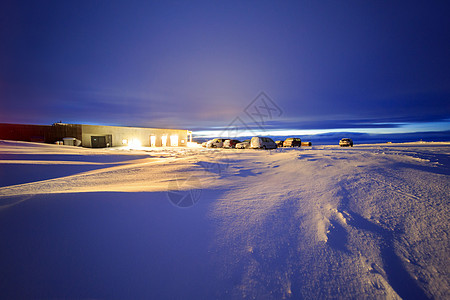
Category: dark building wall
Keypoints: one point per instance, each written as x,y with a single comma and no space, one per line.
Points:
23,132
61,130
39,133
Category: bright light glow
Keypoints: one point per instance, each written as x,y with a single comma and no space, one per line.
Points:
194,145
174,140
134,144
164,140
124,142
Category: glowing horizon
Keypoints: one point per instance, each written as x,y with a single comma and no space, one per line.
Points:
401,128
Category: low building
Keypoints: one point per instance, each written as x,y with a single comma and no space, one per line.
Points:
97,136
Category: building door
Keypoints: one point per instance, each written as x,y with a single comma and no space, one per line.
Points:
101,141
98,141
174,140
108,140
164,140
152,141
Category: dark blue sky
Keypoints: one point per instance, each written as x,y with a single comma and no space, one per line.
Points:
361,65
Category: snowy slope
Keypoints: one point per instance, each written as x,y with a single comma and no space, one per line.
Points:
316,222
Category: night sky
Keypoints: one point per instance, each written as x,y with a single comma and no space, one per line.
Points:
367,66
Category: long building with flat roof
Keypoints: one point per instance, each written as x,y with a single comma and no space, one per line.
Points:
96,136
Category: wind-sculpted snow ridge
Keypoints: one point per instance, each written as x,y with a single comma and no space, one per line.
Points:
319,222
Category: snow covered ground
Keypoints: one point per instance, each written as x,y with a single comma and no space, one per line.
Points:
370,221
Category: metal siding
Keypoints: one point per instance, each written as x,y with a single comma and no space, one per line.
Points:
120,133
58,131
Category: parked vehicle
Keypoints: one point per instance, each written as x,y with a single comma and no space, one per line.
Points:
308,144
346,142
279,144
230,143
292,142
215,143
262,143
244,145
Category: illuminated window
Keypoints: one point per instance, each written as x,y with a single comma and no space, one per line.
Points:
174,140
124,142
164,140
153,141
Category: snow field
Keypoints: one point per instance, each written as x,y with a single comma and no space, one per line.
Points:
316,222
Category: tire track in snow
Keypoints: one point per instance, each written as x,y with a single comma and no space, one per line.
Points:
394,271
